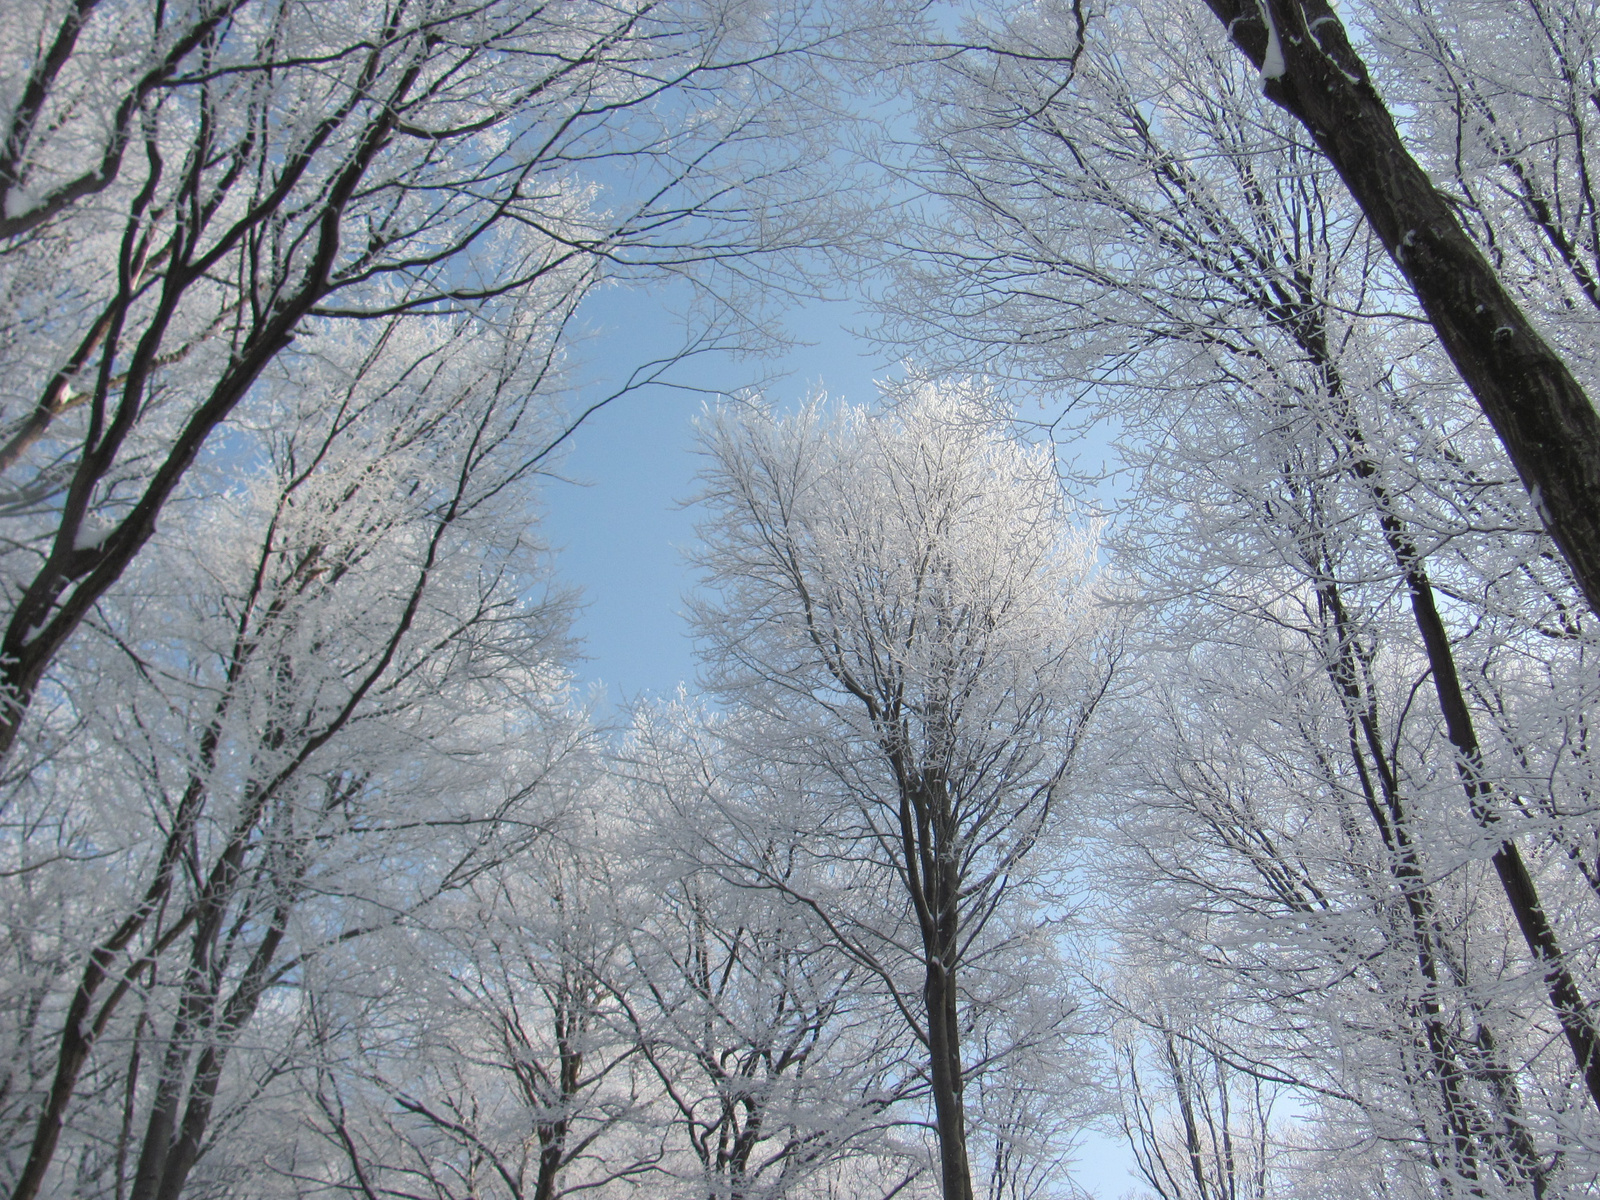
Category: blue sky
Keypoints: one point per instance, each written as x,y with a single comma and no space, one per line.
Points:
619,522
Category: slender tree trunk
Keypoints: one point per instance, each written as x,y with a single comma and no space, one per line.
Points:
927,830
1514,878
939,988
172,1147
1544,419
1521,892
1387,807
1516,881
84,1020
944,1052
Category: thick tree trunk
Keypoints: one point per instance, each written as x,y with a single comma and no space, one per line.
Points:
1544,419
552,1141
571,1024
941,942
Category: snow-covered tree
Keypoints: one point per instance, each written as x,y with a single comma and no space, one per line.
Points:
504,1063
336,699
1539,407
192,187
783,1066
1495,99
296,279
902,601
1199,1129
603,1015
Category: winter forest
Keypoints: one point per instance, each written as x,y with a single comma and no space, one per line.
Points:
1228,806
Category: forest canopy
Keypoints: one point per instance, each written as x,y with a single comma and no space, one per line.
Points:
1230,812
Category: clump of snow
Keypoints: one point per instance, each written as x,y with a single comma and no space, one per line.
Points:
1272,65
91,533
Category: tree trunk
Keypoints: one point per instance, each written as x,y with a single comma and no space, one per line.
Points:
944,1053
1522,894
1543,417
927,830
1516,881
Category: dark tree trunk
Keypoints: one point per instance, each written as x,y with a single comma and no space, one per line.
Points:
929,834
1522,894
1543,417
944,1053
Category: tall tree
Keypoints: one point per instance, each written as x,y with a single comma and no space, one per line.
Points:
902,598
1301,463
